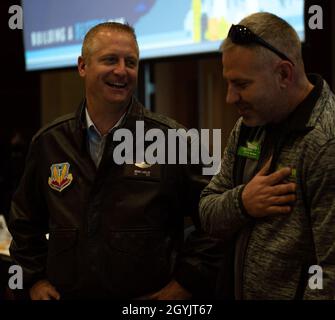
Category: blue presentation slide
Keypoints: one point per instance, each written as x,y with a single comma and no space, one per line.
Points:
54,29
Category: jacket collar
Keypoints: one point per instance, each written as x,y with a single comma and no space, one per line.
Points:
305,115
307,112
134,113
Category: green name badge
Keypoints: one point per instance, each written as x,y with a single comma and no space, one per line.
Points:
251,151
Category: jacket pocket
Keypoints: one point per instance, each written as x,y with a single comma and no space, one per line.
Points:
61,263
139,242
138,262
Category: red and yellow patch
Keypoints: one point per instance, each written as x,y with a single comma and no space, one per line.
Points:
60,176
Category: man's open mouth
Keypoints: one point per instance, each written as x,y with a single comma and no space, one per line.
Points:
117,85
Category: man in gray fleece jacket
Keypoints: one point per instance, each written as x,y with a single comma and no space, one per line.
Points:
273,200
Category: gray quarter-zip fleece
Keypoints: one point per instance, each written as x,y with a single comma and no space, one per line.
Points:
273,261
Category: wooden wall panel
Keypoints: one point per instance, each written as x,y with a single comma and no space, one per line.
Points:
61,93
176,91
214,113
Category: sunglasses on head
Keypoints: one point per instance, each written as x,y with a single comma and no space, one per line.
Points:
242,35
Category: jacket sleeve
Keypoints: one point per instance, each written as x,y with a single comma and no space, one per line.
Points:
320,198
202,256
221,210
28,223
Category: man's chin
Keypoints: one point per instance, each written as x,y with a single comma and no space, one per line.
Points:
119,100
119,103
249,122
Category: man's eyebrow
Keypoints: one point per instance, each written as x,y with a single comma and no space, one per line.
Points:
240,80
237,79
108,55
116,56
132,57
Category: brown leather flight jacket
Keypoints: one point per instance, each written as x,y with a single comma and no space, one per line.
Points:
115,231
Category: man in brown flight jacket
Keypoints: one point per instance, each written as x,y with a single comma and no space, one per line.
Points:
115,230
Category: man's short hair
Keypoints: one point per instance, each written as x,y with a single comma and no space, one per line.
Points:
87,46
273,30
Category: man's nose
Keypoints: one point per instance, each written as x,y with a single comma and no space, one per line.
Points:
120,68
232,95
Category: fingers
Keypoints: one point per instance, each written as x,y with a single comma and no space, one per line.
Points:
265,168
53,293
285,199
149,296
44,290
278,210
278,176
285,188
46,294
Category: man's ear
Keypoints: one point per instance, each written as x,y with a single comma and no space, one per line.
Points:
285,73
81,66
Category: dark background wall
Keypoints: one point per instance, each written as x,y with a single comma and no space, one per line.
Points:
19,90
318,49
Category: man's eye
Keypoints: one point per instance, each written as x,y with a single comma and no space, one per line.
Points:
110,60
242,85
131,63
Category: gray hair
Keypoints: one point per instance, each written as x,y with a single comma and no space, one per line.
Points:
86,49
273,30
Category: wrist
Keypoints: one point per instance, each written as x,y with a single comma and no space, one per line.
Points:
243,209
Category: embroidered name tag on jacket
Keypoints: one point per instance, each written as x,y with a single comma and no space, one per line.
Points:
142,170
143,165
60,176
251,151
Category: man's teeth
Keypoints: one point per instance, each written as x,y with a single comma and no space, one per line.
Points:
117,84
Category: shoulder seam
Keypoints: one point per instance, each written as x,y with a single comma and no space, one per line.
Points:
163,120
54,123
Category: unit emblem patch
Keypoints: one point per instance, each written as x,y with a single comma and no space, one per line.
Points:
60,176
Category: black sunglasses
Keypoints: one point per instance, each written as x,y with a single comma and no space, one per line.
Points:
242,35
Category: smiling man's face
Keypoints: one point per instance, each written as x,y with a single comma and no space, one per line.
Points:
253,87
110,71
